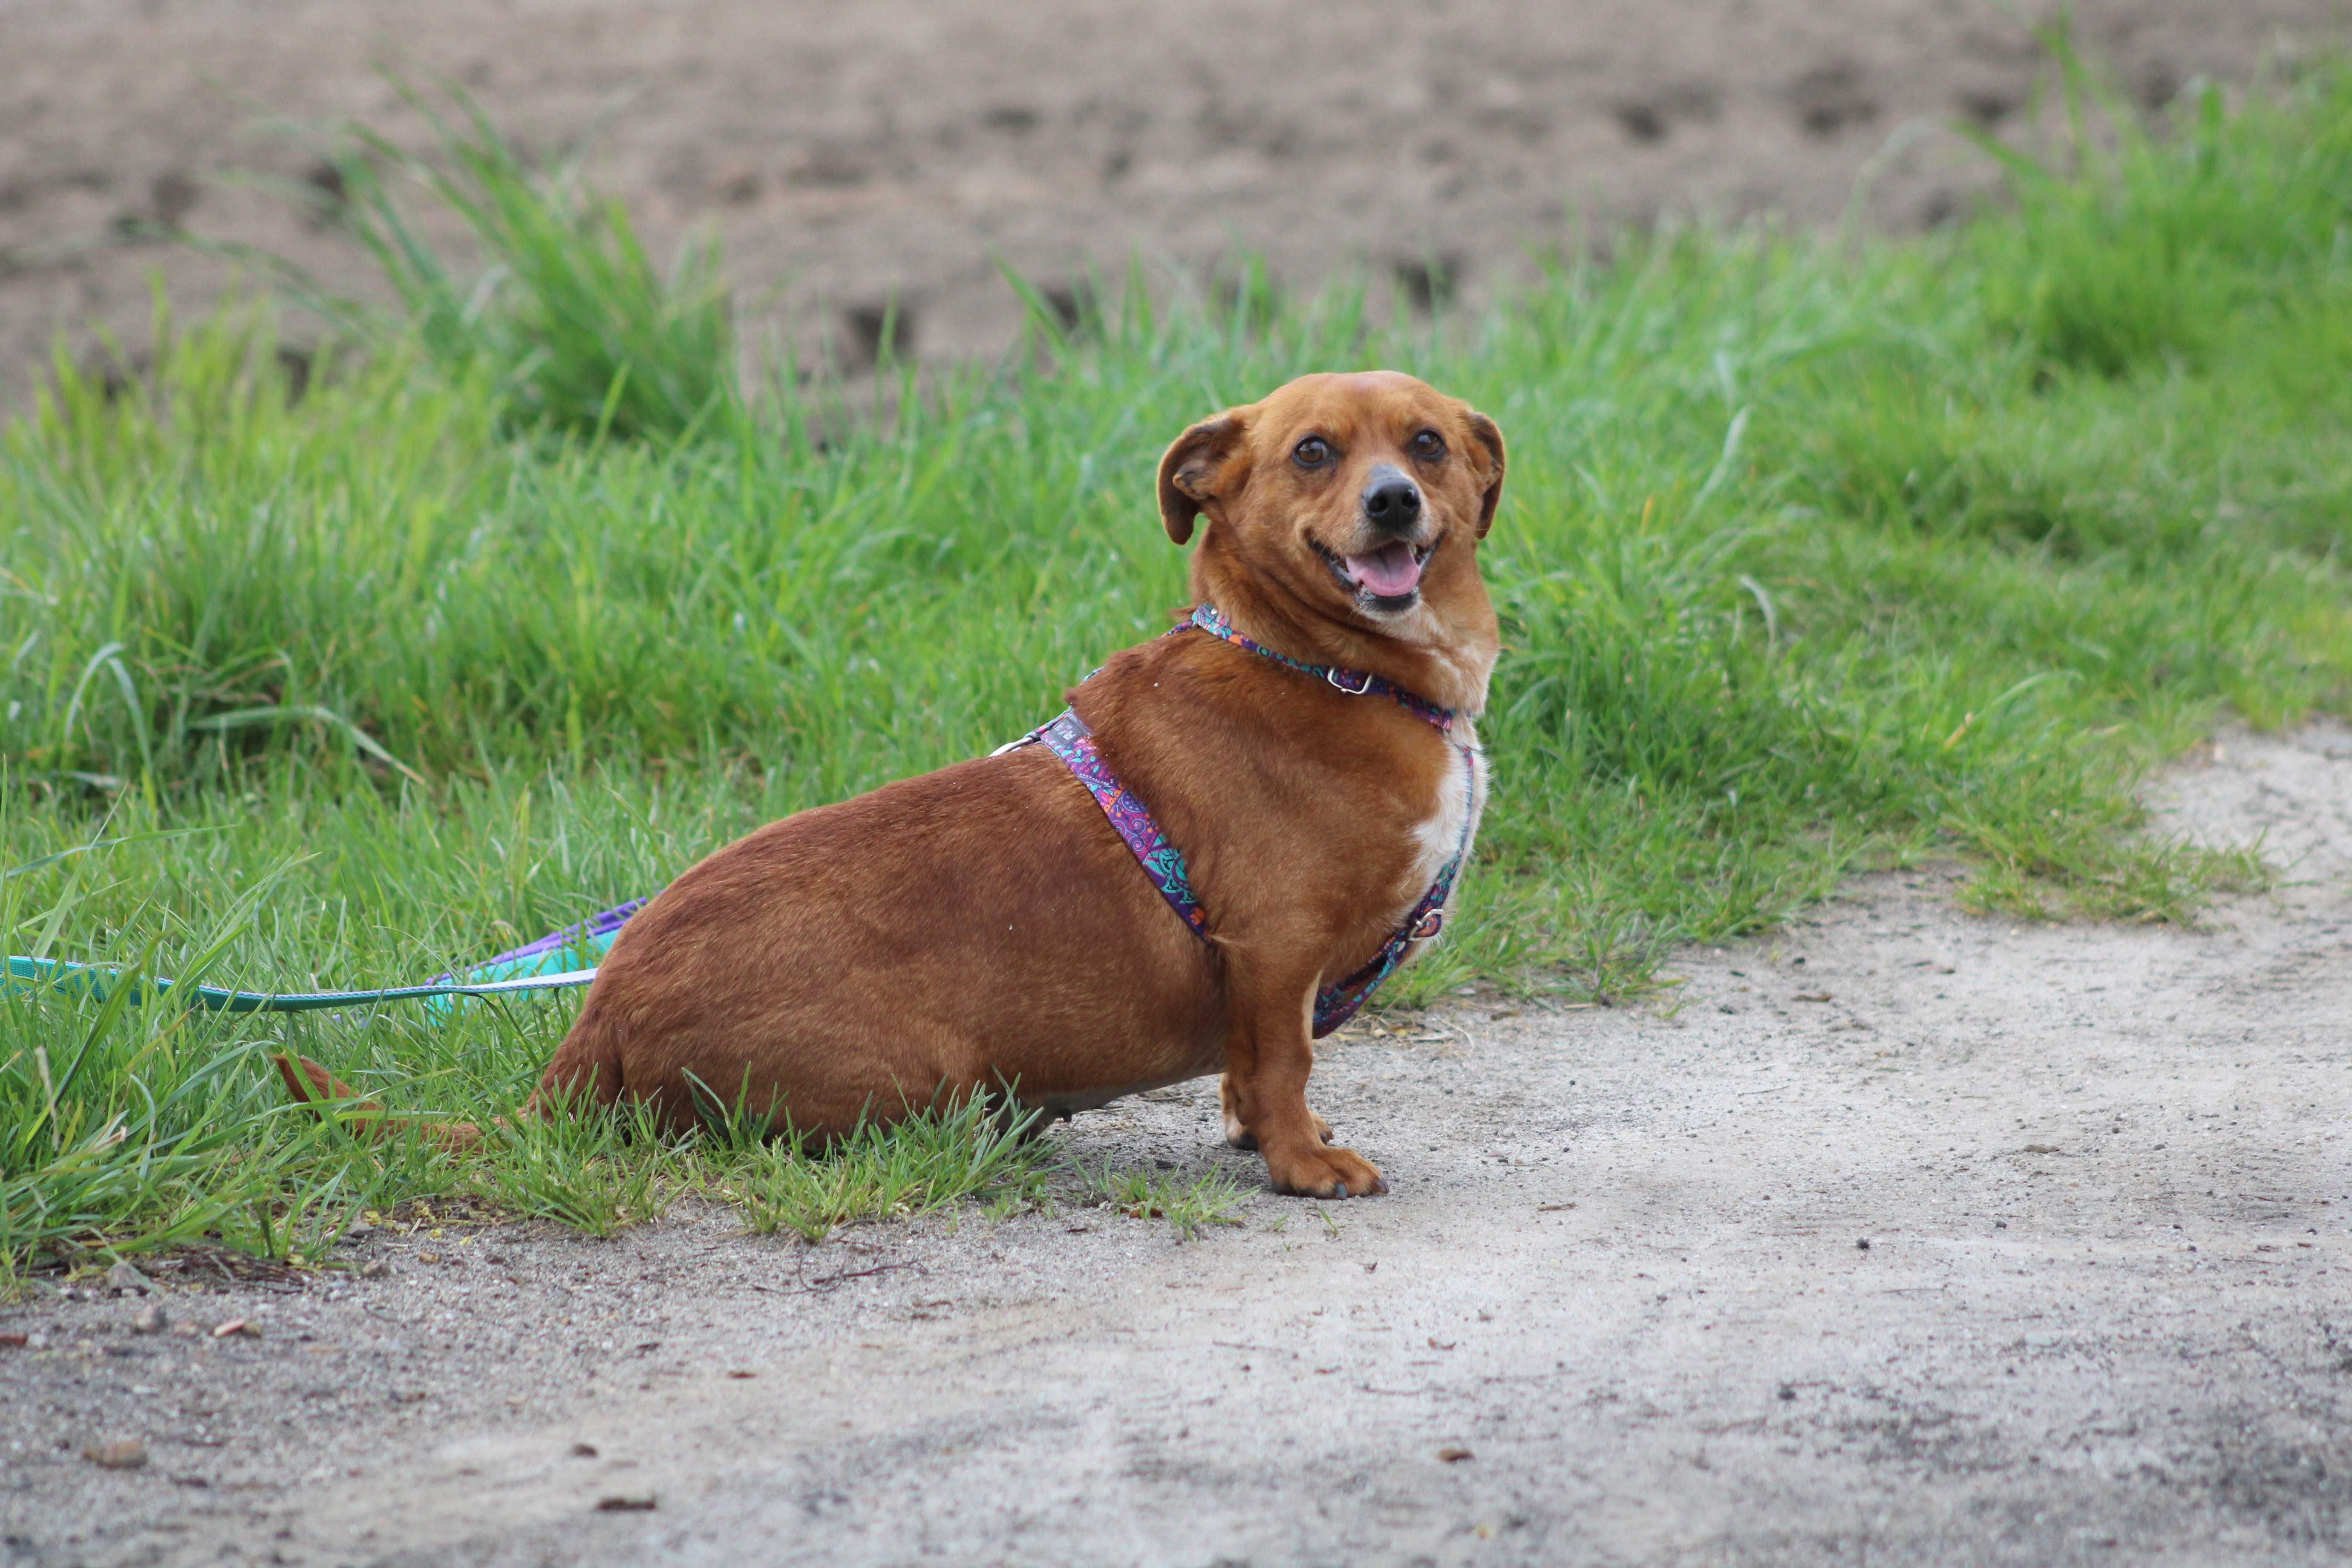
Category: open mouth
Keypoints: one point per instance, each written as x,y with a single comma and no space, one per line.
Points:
1389,576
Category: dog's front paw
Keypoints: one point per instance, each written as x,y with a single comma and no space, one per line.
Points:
1324,1174
1240,1137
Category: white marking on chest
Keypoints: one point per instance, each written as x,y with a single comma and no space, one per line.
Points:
1461,797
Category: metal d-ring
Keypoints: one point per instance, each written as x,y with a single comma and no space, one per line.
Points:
1333,677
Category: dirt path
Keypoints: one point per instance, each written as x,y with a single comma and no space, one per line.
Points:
2103,1176
900,149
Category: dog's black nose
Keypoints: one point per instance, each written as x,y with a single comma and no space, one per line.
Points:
1392,502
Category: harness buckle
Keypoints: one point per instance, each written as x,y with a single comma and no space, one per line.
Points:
1430,925
1337,678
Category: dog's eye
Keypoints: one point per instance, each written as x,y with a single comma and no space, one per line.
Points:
1311,453
1429,445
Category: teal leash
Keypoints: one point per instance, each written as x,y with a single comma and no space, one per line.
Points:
95,983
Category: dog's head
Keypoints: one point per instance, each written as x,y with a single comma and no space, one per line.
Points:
1352,504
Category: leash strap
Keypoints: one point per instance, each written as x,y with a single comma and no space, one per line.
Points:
590,939
96,982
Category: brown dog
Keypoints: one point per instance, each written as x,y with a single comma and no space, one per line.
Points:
985,925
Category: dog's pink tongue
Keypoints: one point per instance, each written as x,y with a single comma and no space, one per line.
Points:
1389,570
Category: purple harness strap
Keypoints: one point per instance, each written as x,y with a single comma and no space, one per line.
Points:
1354,682
1068,737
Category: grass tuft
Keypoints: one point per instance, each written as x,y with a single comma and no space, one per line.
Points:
1187,1206
2129,246
578,330
596,1170
969,1151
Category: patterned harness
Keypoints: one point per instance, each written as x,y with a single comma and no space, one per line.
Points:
1068,737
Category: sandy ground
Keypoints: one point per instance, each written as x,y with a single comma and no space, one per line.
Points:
852,155
1902,1237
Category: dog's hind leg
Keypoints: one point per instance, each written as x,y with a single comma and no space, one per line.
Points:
586,1067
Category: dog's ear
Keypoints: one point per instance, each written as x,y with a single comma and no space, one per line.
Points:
1200,465
1489,437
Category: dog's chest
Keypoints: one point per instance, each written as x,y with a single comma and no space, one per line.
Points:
1451,821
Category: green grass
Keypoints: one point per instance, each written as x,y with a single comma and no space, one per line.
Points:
970,1151
1815,555
1188,1206
581,333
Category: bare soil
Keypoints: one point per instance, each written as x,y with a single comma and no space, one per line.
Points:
901,150
1902,1236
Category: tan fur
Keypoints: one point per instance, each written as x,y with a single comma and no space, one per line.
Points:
984,926
313,1086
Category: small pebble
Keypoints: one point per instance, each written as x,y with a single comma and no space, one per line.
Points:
126,1454
122,1277
151,1319
1454,1456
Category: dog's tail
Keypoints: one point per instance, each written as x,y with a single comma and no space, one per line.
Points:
315,1088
